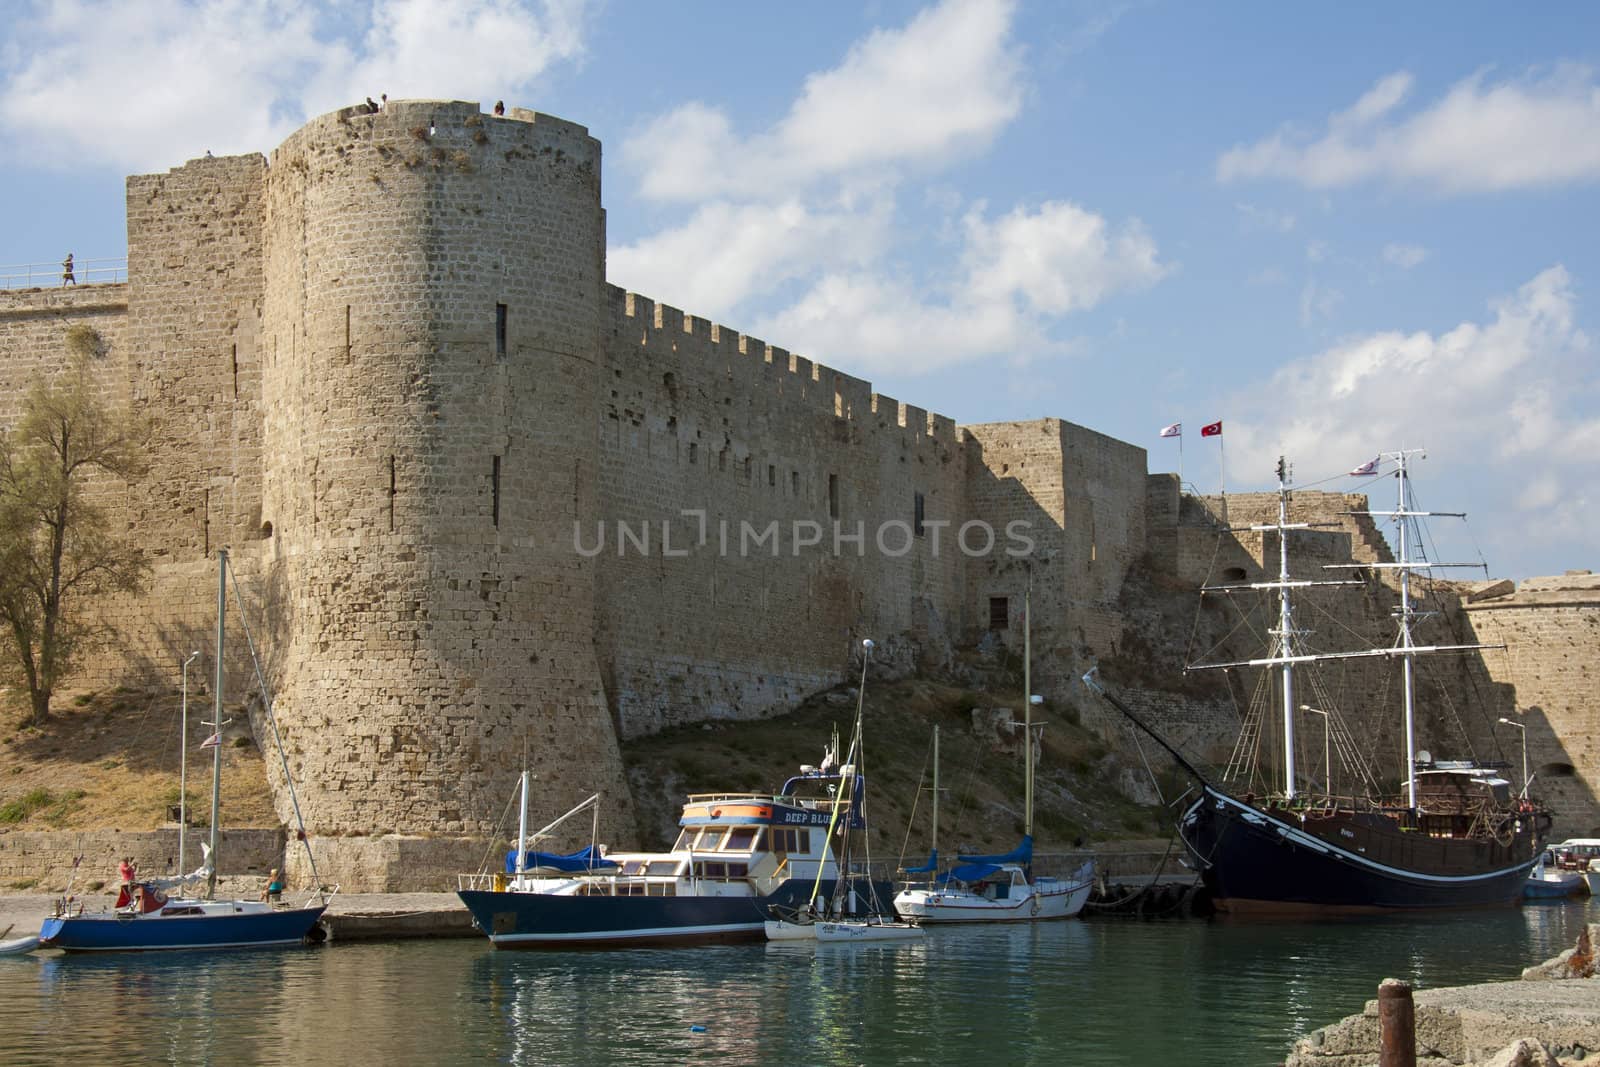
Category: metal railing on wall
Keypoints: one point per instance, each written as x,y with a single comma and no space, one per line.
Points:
44,275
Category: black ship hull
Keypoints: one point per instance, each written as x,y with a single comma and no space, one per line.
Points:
1271,859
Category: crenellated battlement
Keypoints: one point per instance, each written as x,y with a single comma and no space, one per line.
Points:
663,330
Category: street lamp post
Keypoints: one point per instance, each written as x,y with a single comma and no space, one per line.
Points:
183,764
1327,748
1524,729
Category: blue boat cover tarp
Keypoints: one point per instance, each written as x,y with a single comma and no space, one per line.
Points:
971,872
1023,853
586,859
926,868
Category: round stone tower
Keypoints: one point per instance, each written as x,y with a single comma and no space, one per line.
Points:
430,333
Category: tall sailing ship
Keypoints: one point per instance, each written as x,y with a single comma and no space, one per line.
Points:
1457,835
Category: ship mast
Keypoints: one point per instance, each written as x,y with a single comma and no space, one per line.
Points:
1285,631
1406,642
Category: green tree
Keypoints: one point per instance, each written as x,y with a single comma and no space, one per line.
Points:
58,548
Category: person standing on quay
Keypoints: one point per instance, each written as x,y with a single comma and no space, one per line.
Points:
66,271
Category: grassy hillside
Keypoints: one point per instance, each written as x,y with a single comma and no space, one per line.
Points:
110,761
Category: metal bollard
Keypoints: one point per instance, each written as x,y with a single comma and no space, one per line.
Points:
1397,1025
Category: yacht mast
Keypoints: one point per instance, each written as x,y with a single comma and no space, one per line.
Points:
216,749
1027,708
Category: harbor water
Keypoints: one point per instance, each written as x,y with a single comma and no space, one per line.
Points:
1100,991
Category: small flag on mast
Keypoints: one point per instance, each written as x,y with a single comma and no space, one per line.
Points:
212,742
1213,429
1369,467
1175,430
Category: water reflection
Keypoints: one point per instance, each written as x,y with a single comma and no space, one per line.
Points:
1104,992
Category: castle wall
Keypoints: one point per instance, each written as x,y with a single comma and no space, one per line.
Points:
1551,629
433,280
1081,497
756,520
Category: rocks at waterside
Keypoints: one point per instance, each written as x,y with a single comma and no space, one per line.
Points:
1537,1022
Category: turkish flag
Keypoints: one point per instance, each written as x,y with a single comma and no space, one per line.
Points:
1212,429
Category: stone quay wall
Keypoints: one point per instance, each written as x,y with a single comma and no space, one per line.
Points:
482,504
42,861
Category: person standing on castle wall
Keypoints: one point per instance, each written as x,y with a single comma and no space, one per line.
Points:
499,107
66,271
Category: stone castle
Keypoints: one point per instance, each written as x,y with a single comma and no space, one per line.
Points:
489,506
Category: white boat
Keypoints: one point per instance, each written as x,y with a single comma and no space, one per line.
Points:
853,912
876,928
1000,888
144,917
17,946
1581,854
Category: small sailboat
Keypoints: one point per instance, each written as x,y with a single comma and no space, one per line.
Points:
1001,888
146,917
853,912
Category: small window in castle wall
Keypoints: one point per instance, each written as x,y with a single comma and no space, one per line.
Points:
748,468
499,331
494,486
722,460
794,483
694,452
999,612
833,496
772,475
917,512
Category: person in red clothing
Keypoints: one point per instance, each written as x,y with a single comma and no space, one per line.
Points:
126,872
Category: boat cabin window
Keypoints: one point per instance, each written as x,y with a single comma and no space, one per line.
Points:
788,839
741,838
633,866
711,838
663,889
722,872
663,867
182,911
685,840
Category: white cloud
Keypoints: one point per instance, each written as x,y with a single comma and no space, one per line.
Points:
1481,136
1019,274
1058,259
139,86
1504,406
1265,218
1404,256
811,205
728,253
947,81
1318,301
870,323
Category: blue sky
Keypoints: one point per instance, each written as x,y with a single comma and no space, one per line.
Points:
1341,230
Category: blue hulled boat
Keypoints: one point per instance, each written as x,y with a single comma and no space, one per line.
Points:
740,859
181,923
144,917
